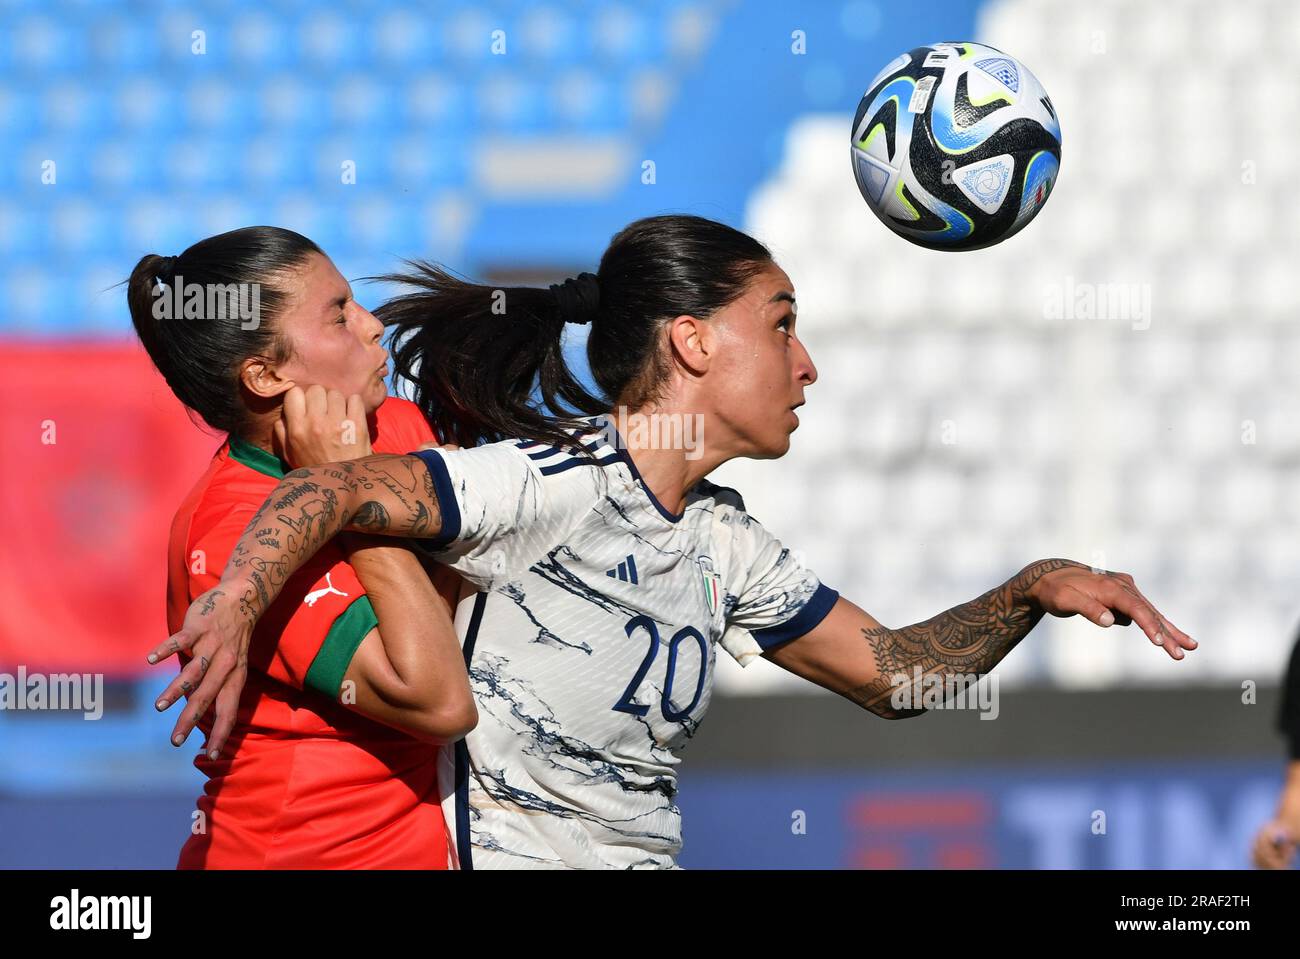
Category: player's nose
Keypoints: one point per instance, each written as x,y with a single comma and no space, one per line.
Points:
805,370
371,327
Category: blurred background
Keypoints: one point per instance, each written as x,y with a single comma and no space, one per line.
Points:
973,411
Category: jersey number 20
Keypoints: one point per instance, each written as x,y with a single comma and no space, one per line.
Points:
625,704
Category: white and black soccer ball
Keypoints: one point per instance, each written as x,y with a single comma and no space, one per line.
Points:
956,146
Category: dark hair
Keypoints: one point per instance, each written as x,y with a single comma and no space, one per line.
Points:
480,357
199,356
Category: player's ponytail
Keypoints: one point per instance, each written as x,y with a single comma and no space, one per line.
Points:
487,363
475,354
191,314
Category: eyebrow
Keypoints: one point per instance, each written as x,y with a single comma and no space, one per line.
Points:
338,301
783,295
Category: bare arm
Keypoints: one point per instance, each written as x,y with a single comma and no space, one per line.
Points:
385,494
409,671
852,654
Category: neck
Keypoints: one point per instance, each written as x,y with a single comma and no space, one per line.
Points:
666,442
259,431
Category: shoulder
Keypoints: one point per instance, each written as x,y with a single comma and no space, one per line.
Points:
724,496
553,472
217,530
550,462
224,502
726,505
738,535
184,515
514,478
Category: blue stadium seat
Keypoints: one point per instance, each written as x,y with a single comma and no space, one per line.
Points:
155,143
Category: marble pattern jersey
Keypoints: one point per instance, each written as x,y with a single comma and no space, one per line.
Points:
589,626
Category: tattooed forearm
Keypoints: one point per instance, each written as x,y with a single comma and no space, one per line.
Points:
422,520
371,517
377,494
971,639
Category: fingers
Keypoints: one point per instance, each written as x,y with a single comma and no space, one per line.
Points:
1123,602
1266,859
185,682
336,407
294,409
317,400
1272,852
180,642
355,411
1091,609
1172,639
1180,638
202,698
227,704
356,415
1086,593
1286,853
316,426
1264,856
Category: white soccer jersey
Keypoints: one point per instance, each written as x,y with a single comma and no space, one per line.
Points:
590,645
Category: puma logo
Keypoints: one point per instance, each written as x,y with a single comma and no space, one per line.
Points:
317,594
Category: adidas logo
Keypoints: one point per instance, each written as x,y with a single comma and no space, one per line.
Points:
626,571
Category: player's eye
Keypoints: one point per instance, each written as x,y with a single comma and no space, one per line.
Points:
784,324
342,320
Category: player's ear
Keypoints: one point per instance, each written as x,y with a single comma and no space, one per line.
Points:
690,339
263,378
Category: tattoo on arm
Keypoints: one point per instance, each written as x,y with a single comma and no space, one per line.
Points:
377,494
210,603
371,517
971,639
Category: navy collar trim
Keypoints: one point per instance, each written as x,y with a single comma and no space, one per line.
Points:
605,423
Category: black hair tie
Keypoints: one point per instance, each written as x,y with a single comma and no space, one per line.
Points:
578,297
166,270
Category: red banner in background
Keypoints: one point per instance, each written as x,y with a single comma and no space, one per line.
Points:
97,455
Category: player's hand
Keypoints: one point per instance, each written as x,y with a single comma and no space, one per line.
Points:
1107,598
215,634
319,426
1274,846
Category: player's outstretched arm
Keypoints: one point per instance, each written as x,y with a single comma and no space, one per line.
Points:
384,494
852,654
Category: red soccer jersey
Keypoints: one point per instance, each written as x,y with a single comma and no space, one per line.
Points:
304,783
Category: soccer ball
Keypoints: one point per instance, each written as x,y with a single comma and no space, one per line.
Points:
955,146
